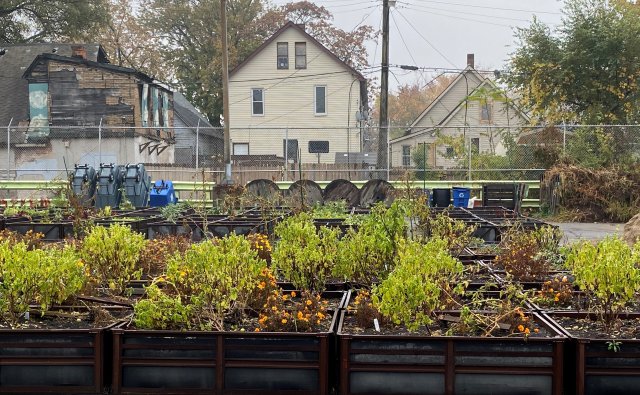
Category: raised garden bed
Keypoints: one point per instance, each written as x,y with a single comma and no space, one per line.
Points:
414,364
156,361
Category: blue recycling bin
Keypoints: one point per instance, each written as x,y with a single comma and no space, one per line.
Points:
461,196
162,194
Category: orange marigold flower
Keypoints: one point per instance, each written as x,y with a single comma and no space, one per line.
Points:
284,321
293,294
521,328
309,302
257,330
536,330
300,315
527,331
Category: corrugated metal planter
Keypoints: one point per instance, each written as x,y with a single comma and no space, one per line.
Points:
594,367
399,364
176,362
62,361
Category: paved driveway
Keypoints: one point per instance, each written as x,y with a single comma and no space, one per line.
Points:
574,231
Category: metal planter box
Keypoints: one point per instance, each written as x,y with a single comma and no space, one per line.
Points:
62,361
597,370
399,364
178,362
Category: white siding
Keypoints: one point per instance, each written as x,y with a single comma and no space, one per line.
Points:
289,99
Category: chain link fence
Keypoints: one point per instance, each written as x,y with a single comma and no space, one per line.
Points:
289,154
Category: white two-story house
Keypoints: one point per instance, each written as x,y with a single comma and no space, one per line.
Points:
293,92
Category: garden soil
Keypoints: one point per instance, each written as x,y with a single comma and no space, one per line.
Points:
632,230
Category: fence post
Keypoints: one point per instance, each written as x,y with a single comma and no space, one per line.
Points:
9,150
100,142
286,154
198,147
470,153
564,137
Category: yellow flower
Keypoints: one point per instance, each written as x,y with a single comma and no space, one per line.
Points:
293,294
527,331
284,321
257,330
309,302
300,315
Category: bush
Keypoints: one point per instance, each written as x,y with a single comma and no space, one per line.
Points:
41,276
303,255
425,279
213,280
113,253
366,255
156,253
609,271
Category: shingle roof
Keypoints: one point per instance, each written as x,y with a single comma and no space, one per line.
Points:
189,115
14,90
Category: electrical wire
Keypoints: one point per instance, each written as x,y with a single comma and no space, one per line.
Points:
404,42
457,17
489,7
425,39
421,8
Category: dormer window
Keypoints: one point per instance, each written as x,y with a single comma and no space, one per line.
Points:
283,56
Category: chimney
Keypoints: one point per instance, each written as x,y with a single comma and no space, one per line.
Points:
470,60
79,51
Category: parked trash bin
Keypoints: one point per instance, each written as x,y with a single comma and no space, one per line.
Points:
83,184
461,196
136,184
162,194
440,197
109,190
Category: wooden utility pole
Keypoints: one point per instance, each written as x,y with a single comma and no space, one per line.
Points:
225,92
383,131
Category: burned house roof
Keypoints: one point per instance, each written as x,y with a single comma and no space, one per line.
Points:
15,59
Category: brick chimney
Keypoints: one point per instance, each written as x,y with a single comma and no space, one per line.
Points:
471,60
79,51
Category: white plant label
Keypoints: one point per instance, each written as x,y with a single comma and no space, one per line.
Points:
376,324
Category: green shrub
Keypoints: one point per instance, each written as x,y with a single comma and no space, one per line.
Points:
41,276
213,280
303,255
426,278
367,255
112,253
609,271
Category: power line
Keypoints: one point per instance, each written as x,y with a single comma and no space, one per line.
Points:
490,8
421,8
457,17
425,39
404,42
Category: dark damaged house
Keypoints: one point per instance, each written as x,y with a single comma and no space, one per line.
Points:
63,97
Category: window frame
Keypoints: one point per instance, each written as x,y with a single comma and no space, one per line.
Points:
238,145
284,45
253,102
406,156
488,105
301,44
315,100
475,145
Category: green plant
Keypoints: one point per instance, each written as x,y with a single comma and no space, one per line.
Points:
34,275
456,233
303,255
366,255
112,253
213,280
608,271
424,279
336,209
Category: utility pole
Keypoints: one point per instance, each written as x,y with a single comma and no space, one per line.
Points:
225,93
383,131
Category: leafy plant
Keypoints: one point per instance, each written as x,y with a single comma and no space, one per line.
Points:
336,209
367,255
557,291
213,280
285,312
113,253
303,255
424,279
35,275
156,253
260,243
609,271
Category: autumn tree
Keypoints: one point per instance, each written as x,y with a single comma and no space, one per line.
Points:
42,20
584,71
129,43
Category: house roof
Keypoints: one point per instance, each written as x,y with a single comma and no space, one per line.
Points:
191,117
291,25
15,60
90,63
483,82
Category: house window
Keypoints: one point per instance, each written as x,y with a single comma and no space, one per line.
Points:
301,55
283,55
241,148
321,100
485,111
257,101
450,153
406,155
475,145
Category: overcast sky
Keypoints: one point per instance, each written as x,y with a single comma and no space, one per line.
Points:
440,33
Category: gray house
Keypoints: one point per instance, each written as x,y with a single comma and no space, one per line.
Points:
191,126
